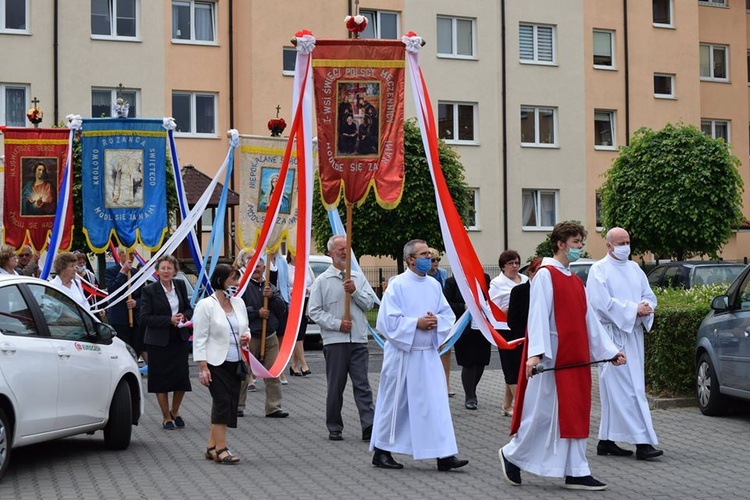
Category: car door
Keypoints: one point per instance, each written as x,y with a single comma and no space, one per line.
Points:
732,340
29,364
84,366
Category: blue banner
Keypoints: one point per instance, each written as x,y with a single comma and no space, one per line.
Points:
124,184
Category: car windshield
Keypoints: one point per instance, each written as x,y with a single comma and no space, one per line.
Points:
711,275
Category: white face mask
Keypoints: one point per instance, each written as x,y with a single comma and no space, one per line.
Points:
621,252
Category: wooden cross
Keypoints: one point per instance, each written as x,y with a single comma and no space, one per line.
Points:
278,108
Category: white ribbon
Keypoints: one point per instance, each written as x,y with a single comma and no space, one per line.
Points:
168,123
413,43
305,44
75,122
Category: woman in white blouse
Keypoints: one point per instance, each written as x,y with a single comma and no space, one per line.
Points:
65,268
220,329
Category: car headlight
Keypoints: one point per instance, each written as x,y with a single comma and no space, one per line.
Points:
131,351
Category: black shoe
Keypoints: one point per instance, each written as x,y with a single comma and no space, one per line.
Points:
367,433
646,452
384,460
335,436
305,373
240,413
448,463
471,405
293,373
584,483
278,414
610,448
511,472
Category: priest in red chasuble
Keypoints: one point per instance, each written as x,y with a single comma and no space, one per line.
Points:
551,416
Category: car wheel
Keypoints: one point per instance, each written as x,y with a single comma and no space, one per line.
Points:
119,426
5,442
710,400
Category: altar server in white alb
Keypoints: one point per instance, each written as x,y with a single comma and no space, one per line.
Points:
412,415
619,293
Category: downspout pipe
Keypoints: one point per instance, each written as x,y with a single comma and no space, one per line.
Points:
504,119
56,63
627,71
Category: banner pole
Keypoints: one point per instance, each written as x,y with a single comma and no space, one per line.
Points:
348,296
264,323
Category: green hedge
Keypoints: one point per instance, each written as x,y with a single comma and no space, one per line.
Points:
670,346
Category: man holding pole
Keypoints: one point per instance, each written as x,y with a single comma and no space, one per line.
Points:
622,298
344,337
264,308
551,416
124,316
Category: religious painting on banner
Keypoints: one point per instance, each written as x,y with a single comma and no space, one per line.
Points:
125,193
359,98
260,169
34,166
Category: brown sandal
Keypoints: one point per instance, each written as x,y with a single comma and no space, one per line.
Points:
211,453
228,459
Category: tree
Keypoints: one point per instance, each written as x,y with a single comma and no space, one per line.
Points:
380,232
676,191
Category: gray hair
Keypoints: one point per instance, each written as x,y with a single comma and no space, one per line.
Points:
410,247
333,238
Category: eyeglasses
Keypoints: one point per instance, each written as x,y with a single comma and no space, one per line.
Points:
513,263
24,255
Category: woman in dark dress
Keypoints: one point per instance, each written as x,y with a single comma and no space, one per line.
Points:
472,349
164,306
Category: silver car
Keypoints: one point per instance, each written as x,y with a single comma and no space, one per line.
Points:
723,349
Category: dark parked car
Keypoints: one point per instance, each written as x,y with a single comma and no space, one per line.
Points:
722,351
690,273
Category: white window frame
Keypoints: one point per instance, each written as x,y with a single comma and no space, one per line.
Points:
475,207
113,99
284,51
455,105
192,40
536,195
712,123
26,104
113,24
613,130
711,77
377,21
193,117
454,34
670,24
11,31
535,44
537,143
611,46
714,3
671,77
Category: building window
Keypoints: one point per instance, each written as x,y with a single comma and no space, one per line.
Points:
714,3
718,129
604,49
381,24
538,126
598,209
114,18
456,122
604,129
455,37
288,60
663,85
193,21
14,101
207,220
14,16
472,224
536,43
538,209
103,100
662,12
195,113
748,63
714,62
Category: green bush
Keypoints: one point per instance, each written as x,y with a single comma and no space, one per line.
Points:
670,346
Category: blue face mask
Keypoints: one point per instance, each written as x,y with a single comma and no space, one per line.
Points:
423,264
573,254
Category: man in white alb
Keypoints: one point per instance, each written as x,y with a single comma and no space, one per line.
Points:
619,293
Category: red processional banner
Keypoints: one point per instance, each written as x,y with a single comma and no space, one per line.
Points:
34,165
359,104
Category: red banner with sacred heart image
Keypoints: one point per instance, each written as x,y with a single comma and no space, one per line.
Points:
34,165
359,104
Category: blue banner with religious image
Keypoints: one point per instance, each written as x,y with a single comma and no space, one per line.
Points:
124,182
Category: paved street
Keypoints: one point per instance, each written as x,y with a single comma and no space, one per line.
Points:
293,458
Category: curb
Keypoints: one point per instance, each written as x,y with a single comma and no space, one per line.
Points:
667,403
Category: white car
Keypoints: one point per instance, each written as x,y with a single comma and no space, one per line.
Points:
318,263
62,371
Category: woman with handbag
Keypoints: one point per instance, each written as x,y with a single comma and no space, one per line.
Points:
220,329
